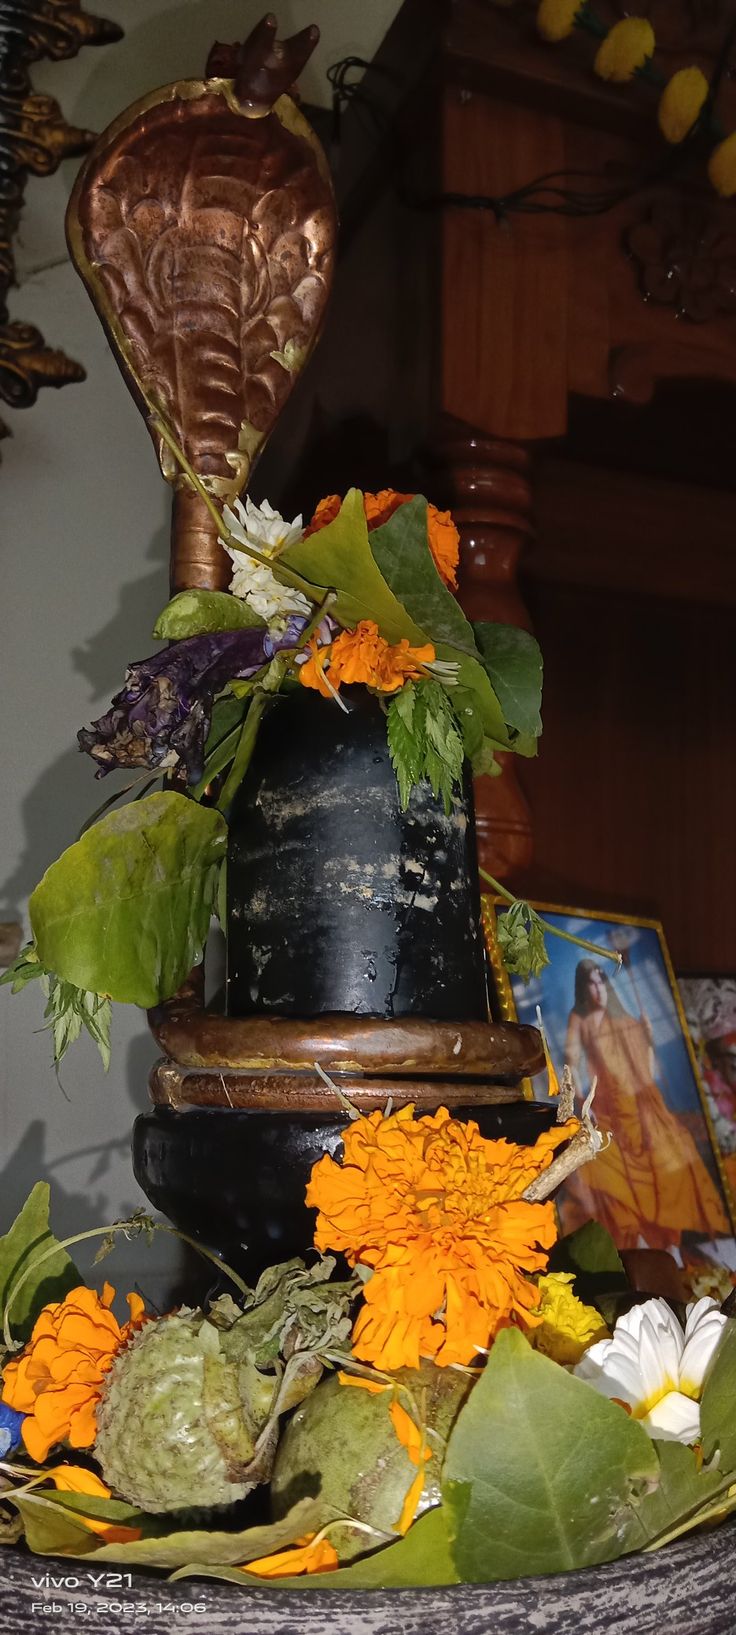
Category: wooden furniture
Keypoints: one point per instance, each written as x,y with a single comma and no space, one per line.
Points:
567,381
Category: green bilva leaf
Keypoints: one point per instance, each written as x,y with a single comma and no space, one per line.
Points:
521,940
675,1505
26,967
592,1249
51,1530
513,662
421,1559
717,1416
125,911
29,1237
339,557
116,1511
401,549
541,1471
199,612
11,1526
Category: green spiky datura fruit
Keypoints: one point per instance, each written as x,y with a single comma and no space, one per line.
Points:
178,1423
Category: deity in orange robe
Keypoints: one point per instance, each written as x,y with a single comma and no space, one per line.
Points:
650,1184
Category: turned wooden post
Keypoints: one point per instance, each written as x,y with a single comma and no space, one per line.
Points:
486,484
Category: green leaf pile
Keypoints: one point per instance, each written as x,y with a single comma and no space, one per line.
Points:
521,941
513,663
125,911
389,575
424,740
29,1238
541,1471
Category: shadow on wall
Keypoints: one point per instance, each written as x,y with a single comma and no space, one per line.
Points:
67,792
165,1274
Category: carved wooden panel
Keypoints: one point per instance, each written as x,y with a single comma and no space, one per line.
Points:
34,137
686,256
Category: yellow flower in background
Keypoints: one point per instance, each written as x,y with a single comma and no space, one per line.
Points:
722,167
556,18
568,1326
681,103
626,48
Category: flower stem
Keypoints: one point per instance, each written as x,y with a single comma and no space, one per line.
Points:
244,751
282,573
554,930
108,1231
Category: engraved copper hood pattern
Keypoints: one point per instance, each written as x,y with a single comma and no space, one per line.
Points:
203,224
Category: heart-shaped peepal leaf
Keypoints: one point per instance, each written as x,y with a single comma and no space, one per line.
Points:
201,612
125,911
513,663
542,1473
339,557
22,1247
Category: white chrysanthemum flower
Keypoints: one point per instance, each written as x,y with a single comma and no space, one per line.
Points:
654,1369
269,532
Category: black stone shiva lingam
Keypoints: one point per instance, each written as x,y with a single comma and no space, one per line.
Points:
355,956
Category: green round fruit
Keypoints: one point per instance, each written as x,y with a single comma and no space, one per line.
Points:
341,1445
177,1422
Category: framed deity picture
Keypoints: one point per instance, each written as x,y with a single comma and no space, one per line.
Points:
709,1003
660,1183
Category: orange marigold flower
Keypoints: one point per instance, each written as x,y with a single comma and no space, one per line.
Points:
442,535
325,512
363,655
310,1554
57,1381
437,1212
74,1479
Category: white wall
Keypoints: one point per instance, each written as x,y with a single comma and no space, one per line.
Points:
84,526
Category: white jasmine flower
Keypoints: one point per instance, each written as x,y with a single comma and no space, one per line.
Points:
261,526
654,1369
269,532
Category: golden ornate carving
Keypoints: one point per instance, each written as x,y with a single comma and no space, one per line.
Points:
34,137
203,224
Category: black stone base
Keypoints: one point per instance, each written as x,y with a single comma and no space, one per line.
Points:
235,1180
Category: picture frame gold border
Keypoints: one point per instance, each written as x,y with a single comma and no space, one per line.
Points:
490,903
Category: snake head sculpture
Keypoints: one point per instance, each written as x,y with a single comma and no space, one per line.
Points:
203,224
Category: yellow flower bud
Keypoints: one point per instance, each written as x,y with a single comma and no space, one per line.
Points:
567,1327
626,48
681,103
556,18
722,167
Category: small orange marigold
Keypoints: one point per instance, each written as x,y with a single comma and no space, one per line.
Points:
57,1381
363,655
